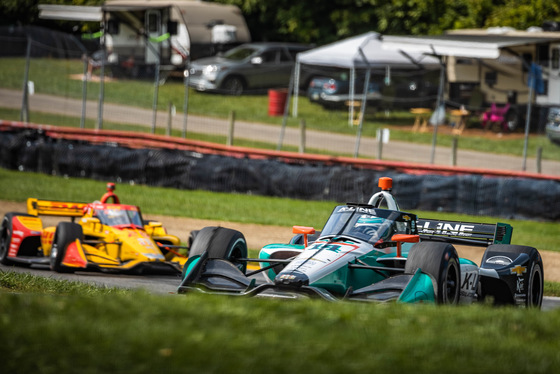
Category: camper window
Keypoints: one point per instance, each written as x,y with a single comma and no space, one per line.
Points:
113,27
556,58
153,22
172,27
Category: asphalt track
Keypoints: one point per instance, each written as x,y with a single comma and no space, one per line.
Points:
394,150
153,283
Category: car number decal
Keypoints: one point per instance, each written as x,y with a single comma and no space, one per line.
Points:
322,257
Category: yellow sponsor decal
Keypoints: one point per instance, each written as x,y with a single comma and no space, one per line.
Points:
519,270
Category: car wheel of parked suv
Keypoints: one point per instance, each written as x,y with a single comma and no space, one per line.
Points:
233,86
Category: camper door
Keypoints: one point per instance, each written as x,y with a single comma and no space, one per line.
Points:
153,28
553,76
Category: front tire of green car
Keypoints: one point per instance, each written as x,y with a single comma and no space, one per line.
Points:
221,243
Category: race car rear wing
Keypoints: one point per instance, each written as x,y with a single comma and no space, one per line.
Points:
38,207
466,233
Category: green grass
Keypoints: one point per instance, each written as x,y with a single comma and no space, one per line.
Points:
16,282
52,77
141,333
18,186
551,288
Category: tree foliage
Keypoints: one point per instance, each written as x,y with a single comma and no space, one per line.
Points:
320,21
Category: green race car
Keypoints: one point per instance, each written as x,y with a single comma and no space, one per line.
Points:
368,253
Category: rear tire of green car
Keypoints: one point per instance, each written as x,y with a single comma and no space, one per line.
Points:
441,261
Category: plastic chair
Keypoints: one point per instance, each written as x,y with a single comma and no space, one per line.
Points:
496,115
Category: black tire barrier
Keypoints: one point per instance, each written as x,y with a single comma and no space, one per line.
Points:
507,197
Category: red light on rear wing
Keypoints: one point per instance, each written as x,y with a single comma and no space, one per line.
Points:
38,207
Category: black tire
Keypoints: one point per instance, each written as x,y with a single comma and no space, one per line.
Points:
192,236
440,260
534,289
66,233
6,236
221,243
233,86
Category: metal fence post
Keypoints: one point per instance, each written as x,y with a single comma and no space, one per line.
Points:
84,92
302,136
539,160
24,114
231,128
102,74
454,151
169,119
156,92
186,101
379,144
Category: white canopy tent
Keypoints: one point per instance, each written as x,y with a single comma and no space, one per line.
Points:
359,52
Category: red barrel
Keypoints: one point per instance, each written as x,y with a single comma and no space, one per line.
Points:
277,102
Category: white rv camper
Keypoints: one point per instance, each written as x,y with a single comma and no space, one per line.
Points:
142,33
492,66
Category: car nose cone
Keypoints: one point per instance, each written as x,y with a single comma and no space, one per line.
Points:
292,278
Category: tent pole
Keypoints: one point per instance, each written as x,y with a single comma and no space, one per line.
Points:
363,104
352,90
286,113
362,111
532,80
439,102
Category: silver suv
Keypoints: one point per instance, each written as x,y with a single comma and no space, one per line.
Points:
248,67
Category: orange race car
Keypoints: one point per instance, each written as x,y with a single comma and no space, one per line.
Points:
107,236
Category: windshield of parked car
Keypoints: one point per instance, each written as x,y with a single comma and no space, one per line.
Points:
368,224
119,217
239,53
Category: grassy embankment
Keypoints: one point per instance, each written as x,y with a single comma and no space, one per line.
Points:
51,326
115,332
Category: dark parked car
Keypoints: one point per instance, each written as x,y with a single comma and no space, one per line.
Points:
247,67
405,90
553,125
332,92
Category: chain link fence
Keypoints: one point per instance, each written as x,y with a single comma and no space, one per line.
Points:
71,80
60,79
